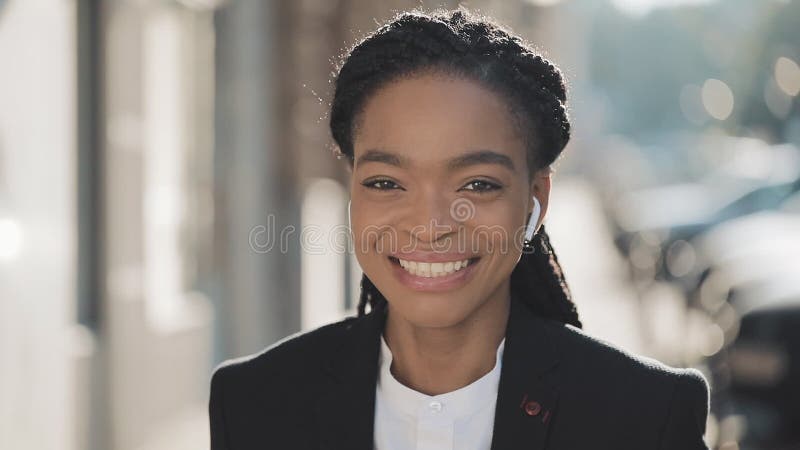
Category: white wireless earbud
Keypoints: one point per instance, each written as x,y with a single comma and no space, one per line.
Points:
349,223
533,220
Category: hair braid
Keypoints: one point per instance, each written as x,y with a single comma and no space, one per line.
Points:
370,295
539,276
462,44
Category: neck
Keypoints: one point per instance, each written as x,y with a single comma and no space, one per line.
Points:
439,360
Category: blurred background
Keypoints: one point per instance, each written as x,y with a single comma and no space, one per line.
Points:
161,163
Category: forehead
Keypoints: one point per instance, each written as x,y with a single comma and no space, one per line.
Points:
432,118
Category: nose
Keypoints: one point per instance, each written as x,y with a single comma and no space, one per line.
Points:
434,216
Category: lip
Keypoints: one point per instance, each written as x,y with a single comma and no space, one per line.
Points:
437,284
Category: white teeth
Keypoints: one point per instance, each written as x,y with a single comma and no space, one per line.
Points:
432,270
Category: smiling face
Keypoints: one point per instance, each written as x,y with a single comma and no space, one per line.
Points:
439,179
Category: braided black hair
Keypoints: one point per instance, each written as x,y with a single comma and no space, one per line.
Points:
463,44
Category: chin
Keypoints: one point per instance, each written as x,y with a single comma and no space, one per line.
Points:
433,310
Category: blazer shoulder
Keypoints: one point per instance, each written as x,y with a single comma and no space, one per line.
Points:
671,402
599,354
291,354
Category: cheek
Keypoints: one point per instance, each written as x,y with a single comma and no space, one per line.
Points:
372,229
497,229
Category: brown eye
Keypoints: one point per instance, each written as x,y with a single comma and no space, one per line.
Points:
380,185
481,186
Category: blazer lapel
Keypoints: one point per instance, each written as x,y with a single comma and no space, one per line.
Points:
526,400
345,413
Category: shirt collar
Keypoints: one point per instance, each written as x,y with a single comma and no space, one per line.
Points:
456,404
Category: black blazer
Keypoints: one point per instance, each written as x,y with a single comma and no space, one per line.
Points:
560,389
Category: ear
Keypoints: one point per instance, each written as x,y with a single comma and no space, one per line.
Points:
540,187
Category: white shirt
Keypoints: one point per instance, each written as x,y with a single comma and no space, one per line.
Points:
409,420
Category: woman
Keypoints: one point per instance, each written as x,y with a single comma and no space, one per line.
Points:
450,125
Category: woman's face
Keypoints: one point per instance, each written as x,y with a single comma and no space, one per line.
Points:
440,177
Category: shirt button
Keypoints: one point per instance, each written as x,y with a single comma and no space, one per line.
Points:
435,407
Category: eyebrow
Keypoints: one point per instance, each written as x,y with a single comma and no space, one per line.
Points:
381,156
472,158
480,157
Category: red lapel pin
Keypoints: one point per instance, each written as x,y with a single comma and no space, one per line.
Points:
533,408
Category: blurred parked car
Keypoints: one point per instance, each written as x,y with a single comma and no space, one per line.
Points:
763,242
756,377
655,227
